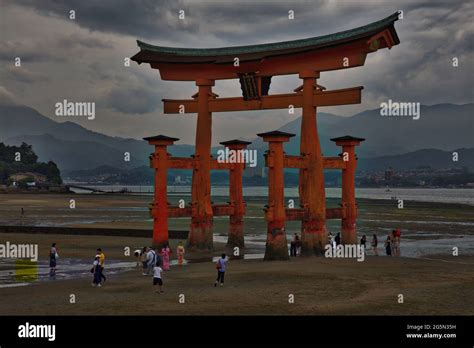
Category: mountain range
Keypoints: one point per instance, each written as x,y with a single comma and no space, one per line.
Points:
390,141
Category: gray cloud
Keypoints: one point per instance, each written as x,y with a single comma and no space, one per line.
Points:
83,58
27,51
77,41
24,75
132,101
143,18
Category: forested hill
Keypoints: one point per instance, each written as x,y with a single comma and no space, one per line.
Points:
23,159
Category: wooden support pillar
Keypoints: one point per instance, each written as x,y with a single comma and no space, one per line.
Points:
159,208
277,245
236,220
311,181
348,223
200,234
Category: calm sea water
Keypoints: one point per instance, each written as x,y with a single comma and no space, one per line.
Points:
442,195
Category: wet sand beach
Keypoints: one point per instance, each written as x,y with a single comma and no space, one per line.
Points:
320,287
435,282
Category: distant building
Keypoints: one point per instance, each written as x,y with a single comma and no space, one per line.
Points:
35,177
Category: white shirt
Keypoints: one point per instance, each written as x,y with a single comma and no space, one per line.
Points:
157,272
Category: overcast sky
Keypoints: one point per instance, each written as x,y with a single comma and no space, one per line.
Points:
82,59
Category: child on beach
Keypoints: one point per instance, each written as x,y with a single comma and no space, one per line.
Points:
157,277
97,271
220,265
180,253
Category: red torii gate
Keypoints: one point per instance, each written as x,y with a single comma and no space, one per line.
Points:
254,66
161,161
277,214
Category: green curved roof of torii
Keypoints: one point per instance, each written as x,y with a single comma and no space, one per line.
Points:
152,51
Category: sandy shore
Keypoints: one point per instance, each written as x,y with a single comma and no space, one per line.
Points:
320,286
435,284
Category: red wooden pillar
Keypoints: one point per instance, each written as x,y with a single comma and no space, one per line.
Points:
311,189
348,224
277,245
159,210
236,228
200,235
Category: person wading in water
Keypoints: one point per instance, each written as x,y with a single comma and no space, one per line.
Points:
53,256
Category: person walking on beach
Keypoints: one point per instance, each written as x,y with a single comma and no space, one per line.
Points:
53,256
165,255
363,241
374,245
102,263
332,241
158,277
293,245
143,257
180,253
397,234
298,245
97,271
151,260
159,259
220,265
138,255
338,239
388,247
393,243
22,214
148,259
